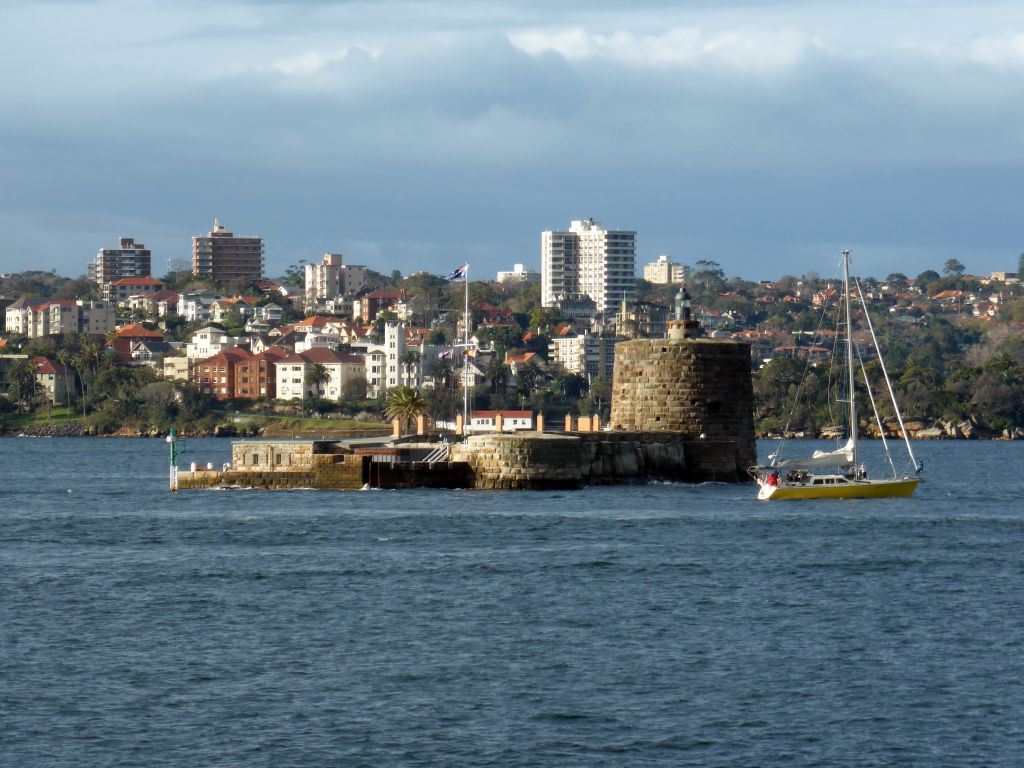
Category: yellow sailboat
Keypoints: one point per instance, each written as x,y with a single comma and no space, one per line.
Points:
839,474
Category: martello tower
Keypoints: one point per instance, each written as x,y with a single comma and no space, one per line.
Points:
696,387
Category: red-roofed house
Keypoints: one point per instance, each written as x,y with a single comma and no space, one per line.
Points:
53,378
826,296
488,313
160,303
66,316
486,421
216,375
255,376
128,335
53,318
245,306
372,304
341,367
119,290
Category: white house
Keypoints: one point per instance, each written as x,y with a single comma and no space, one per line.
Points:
290,373
207,342
511,421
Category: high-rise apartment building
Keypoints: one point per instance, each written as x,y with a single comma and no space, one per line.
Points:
332,278
588,260
665,271
129,259
592,356
222,256
323,280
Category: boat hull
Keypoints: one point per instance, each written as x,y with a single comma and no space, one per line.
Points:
853,489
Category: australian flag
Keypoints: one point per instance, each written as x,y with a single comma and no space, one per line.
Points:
459,273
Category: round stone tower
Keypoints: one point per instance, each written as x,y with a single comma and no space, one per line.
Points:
698,388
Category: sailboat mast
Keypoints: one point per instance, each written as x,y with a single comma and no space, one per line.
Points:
849,354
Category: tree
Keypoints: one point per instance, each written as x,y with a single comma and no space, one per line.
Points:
64,358
296,273
527,376
501,337
404,404
496,374
316,377
1020,266
21,382
542,318
354,390
409,360
954,268
926,278
384,317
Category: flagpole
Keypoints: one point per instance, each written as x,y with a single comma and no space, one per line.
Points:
465,360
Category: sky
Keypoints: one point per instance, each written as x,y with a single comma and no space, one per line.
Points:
417,135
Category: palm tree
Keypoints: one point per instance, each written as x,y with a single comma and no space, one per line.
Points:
21,382
404,404
442,373
496,374
528,374
409,360
64,357
317,376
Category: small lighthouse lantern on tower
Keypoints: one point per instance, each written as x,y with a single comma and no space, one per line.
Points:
683,326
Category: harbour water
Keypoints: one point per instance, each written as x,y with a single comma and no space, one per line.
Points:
659,625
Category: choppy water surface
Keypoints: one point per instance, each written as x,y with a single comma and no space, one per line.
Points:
657,625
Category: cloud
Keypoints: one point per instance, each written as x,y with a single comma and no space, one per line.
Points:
314,63
717,129
748,52
1005,52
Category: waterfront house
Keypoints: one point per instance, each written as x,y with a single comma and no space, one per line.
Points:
53,378
512,421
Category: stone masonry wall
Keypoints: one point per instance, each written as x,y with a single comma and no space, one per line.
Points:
535,462
700,389
550,462
325,471
264,455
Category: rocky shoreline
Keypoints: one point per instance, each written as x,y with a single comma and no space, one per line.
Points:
916,430
78,429
943,431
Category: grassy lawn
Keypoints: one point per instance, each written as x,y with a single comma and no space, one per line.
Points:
43,416
278,423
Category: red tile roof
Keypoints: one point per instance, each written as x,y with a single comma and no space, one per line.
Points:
136,331
138,281
520,358
45,365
